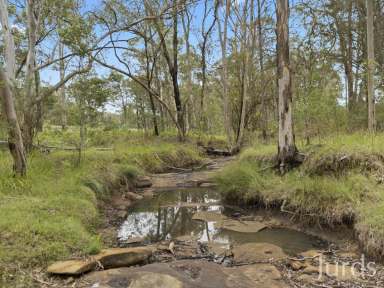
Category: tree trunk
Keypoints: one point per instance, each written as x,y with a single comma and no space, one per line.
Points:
371,67
245,52
189,109
286,145
62,100
174,74
7,78
264,112
9,43
224,73
15,138
29,106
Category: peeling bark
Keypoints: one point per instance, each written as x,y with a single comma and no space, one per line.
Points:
287,150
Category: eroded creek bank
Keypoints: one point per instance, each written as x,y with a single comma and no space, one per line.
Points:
191,239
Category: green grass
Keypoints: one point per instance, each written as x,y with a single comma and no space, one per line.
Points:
52,213
339,182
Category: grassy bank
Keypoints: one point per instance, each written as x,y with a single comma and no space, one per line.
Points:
339,182
52,213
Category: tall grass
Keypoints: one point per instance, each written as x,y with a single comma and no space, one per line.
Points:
52,213
339,182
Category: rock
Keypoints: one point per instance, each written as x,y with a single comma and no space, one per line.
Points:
133,240
121,203
306,279
240,226
188,273
297,265
148,193
311,254
310,269
148,279
72,267
348,254
208,216
123,257
254,252
208,185
340,272
122,214
133,196
143,182
219,249
258,275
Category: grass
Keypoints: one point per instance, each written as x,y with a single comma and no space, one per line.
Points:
52,213
339,182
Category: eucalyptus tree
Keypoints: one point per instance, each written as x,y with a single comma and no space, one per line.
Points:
371,66
206,32
7,79
287,151
35,27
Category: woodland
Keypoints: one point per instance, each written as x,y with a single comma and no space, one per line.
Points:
96,91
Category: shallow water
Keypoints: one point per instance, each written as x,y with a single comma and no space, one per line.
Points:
169,215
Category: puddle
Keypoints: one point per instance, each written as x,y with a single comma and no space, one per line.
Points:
169,215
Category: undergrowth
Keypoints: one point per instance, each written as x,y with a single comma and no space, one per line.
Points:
52,213
338,182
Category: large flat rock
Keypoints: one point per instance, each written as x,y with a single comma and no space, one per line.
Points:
72,267
257,252
240,226
122,257
187,274
208,216
108,258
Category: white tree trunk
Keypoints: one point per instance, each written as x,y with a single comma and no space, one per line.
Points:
10,58
29,103
15,139
224,72
7,78
286,145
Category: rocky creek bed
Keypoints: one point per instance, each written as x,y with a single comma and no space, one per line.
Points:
178,234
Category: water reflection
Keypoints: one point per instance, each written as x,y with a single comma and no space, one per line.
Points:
169,215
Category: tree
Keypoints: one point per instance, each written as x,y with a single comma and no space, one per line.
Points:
90,95
371,67
7,79
287,150
223,37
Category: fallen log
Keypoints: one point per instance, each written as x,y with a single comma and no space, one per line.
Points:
217,152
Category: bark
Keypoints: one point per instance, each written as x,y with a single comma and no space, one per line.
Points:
62,99
149,76
203,47
189,109
371,67
172,64
9,43
223,35
264,108
29,107
7,78
287,150
15,138
245,52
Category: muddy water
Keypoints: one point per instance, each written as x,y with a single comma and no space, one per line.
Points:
169,215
